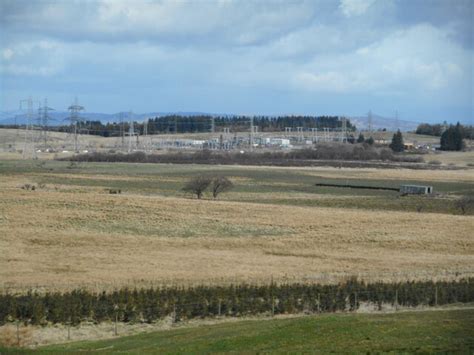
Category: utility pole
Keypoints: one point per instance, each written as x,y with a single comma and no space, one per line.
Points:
300,133
396,300
326,134
18,332
315,134
369,122
131,132
273,297
116,309
213,124
251,133
397,125
145,133
122,130
227,138
344,130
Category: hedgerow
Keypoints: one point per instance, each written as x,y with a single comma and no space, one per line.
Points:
152,304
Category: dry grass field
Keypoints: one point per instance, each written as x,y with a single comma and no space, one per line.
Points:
70,233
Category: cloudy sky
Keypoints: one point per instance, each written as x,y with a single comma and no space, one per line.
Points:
245,57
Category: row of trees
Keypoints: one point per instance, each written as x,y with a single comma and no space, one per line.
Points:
301,157
150,305
203,123
451,137
467,132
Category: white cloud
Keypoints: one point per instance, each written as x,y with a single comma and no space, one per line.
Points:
41,58
417,61
7,53
324,82
225,22
351,8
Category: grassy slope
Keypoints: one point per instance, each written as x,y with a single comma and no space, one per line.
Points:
427,331
253,184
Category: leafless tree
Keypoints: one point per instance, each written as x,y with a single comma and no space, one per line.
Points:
197,185
465,203
220,184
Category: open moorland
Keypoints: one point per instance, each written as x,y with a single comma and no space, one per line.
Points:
70,232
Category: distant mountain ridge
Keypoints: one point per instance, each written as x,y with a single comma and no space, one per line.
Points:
60,117
379,122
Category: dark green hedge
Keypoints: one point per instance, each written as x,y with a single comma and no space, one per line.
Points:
149,305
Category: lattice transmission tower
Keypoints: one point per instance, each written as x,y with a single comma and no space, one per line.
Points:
29,146
74,120
133,140
369,122
43,122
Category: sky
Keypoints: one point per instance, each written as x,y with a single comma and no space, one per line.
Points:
316,57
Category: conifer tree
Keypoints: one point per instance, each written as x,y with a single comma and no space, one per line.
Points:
397,142
451,139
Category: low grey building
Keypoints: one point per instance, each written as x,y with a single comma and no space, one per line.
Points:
416,190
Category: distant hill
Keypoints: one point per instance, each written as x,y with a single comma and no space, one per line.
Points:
60,117
379,122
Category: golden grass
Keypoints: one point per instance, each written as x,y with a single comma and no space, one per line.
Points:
466,175
461,175
454,158
63,239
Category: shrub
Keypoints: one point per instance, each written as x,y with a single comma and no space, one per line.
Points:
28,187
197,185
322,151
220,184
465,204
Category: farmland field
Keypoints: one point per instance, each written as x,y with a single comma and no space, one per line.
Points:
70,232
428,331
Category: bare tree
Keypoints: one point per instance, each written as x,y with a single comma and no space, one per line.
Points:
220,184
197,185
465,203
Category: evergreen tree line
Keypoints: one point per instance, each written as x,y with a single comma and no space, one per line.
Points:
452,138
152,304
467,132
203,123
